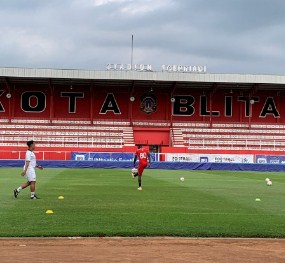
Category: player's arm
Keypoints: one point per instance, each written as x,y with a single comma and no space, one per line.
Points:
135,159
26,168
149,158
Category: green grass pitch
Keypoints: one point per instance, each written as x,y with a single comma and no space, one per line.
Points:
106,202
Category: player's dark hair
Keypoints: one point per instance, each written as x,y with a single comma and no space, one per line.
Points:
139,146
29,143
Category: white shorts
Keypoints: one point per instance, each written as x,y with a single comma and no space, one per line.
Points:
31,175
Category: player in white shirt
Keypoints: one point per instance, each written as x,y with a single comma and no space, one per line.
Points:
29,171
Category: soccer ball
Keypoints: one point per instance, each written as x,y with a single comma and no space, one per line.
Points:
182,179
269,183
134,171
267,179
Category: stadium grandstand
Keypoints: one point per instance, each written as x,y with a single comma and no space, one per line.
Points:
115,110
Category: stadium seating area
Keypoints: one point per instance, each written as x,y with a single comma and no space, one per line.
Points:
116,134
66,133
229,136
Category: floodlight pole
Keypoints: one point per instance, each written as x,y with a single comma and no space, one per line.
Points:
132,52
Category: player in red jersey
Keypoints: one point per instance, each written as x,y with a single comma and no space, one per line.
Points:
144,160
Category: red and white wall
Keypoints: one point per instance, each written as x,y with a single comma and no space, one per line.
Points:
60,101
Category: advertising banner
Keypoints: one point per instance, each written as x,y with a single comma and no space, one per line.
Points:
210,158
271,159
113,157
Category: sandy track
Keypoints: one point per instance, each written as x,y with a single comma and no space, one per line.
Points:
141,250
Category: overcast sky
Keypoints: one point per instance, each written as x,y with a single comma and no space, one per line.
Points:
229,36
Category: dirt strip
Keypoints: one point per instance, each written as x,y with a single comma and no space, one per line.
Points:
141,250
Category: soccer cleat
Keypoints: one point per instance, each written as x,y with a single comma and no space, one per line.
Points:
35,197
140,188
16,193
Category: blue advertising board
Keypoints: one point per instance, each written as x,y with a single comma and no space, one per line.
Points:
101,156
270,159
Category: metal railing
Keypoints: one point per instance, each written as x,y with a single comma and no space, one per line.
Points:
62,141
246,144
41,155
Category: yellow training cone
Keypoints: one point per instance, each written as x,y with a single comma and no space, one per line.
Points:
61,197
49,212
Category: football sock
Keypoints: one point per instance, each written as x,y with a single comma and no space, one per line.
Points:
32,194
19,189
140,180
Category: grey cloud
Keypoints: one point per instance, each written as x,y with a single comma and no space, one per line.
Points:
227,35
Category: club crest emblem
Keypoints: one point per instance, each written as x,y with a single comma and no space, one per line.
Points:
148,103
